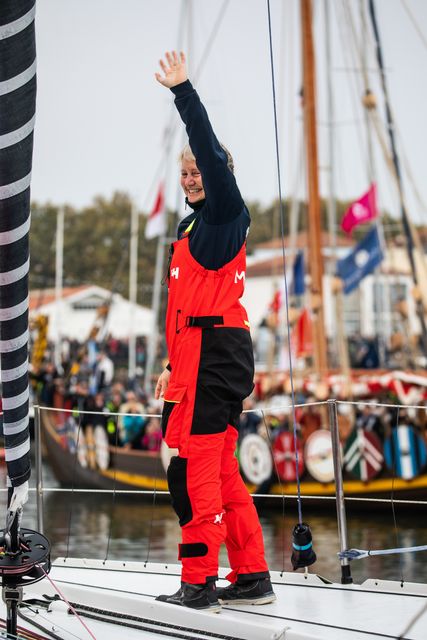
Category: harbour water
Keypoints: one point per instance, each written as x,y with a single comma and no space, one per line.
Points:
124,527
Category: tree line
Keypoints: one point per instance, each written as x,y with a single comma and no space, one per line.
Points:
96,241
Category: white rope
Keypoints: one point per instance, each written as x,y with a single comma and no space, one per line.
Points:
358,554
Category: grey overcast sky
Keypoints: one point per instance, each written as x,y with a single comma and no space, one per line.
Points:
101,115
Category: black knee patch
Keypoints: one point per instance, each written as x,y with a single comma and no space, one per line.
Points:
167,410
193,550
177,481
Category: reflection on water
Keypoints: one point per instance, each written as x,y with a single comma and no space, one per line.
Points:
125,528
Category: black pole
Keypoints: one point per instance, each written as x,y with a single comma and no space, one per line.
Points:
11,612
12,594
405,219
17,111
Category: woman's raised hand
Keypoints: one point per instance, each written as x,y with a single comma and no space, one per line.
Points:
174,69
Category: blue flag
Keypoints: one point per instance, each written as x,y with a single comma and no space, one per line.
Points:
365,256
298,287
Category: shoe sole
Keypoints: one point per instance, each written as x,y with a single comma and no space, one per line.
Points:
261,600
214,609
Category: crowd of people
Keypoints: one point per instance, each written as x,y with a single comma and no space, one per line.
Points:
103,388
98,390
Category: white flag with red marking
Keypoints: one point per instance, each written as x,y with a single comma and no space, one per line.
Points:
156,223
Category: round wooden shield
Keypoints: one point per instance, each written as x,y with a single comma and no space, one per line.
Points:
285,458
405,452
255,459
166,453
318,456
69,430
76,439
363,454
102,450
82,449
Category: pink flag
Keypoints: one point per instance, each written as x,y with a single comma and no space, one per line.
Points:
156,223
361,210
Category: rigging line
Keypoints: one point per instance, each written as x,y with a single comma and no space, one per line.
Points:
97,413
64,599
257,410
270,496
409,173
211,39
172,126
414,22
282,229
281,490
380,404
169,129
352,53
411,235
72,485
373,113
405,159
113,502
358,554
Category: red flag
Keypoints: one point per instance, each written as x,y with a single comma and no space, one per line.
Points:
156,223
303,335
362,210
276,302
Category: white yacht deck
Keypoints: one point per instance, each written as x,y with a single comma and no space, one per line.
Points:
120,598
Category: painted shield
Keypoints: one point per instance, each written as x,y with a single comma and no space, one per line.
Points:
363,455
166,453
318,456
405,452
102,450
285,458
255,459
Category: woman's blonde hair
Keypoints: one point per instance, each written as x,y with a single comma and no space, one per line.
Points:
187,154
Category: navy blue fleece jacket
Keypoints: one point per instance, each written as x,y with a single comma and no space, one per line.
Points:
222,222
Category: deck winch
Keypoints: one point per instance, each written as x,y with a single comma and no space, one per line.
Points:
29,563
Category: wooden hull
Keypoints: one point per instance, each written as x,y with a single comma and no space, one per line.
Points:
128,469
143,470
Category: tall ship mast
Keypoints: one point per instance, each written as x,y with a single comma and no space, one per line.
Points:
314,229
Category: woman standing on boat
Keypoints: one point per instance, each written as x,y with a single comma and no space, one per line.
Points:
210,369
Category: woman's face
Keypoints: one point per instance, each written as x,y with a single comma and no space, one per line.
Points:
191,181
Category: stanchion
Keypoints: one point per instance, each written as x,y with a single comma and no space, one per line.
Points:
341,514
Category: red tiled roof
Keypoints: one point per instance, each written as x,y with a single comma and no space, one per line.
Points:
301,241
39,297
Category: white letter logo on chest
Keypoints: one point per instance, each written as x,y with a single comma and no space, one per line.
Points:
175,272
239,276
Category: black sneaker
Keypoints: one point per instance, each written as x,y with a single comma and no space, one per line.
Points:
254,592
195,596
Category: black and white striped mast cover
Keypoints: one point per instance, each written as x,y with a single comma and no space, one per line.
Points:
17,115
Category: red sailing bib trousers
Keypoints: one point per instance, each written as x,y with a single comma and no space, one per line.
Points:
211,358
